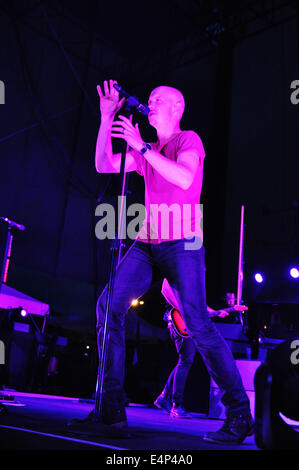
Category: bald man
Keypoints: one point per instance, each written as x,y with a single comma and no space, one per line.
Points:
170,240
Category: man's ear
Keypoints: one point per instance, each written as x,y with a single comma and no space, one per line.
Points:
178,108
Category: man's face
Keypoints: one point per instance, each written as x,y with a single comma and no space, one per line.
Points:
161,108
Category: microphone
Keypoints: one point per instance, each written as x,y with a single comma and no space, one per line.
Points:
12,223
133,100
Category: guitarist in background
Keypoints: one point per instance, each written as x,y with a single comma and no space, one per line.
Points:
171,398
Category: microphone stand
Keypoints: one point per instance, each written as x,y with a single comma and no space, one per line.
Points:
116,257
94,426
7,252
4,271
243,316
240,263
6,259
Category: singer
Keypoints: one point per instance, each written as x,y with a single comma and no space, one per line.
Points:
172,168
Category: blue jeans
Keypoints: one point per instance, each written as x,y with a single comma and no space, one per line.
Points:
175,385
185,272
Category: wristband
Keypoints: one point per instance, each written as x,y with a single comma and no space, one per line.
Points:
145,148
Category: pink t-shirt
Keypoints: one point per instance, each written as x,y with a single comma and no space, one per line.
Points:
172,213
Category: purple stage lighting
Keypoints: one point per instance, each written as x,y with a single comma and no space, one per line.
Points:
259,278
294,273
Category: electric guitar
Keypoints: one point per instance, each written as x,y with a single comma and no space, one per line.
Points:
177,323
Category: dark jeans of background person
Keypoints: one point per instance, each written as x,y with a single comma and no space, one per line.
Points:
185,272
175,385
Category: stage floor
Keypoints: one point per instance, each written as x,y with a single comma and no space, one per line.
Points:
40,422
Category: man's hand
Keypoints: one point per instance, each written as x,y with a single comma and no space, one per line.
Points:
225,312
217,313
222,313
240,308
124,129
110,103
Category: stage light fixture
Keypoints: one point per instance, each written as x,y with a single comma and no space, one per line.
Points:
294,273
259,278
134,302
23,313
277,398
17,312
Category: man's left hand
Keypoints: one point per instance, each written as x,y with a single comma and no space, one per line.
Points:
222,313
240,308
124,129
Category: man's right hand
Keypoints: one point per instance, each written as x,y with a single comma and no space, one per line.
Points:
105,160
110,103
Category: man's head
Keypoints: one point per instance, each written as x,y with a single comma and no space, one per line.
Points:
167,106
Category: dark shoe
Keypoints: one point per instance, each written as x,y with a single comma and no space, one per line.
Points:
114,416
163,403
234,430
88,419
112,411
179,412
110,416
